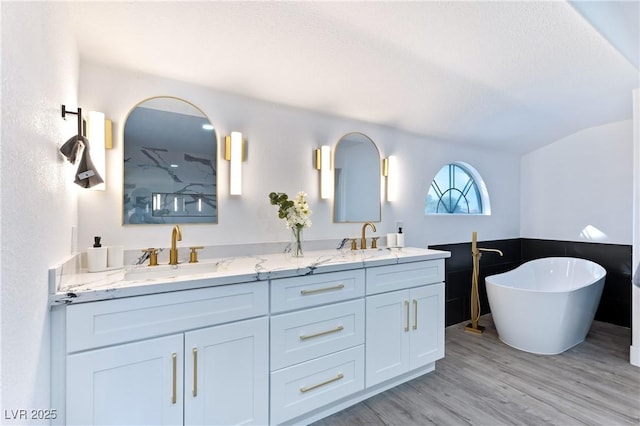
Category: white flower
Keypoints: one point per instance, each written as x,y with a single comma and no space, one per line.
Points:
296,212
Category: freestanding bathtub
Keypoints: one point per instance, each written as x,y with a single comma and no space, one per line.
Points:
546,306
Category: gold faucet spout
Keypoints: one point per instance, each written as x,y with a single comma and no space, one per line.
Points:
363,240
493,250
176,235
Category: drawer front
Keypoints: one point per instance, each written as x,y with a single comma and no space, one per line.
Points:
303,335
304,387
311,290
96,324
381,279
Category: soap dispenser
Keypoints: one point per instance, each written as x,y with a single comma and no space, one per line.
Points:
400,238
96,256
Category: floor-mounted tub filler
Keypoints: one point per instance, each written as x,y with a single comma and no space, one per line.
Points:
546,306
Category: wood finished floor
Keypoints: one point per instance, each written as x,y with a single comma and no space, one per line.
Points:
482,381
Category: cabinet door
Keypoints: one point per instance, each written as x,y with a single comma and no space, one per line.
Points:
387,336
136,383
427,324
227,374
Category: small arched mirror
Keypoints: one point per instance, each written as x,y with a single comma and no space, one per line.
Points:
170,152
357,180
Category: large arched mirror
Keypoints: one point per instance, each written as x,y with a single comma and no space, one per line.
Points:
170,151
357,179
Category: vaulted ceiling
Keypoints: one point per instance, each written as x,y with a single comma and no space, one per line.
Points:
508,75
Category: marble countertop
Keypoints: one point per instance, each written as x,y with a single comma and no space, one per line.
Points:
77,287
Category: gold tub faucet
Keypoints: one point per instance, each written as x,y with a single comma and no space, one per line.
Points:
176,235
363,240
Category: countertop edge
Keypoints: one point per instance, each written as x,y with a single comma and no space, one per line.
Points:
111,284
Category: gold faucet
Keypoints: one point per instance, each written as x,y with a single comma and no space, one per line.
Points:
176,235
473,326
363,240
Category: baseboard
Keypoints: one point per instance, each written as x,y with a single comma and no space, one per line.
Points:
634,355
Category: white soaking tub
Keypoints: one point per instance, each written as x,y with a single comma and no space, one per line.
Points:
546,306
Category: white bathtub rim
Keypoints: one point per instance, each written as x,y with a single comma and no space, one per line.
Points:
601,274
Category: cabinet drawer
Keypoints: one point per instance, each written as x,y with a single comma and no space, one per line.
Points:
96,324
311,290
304,387
303,335
381,279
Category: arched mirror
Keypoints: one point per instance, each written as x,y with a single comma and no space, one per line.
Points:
357,179
170,151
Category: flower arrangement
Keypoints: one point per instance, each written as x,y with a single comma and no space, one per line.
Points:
296,214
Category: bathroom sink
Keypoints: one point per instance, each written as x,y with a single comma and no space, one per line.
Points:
169,271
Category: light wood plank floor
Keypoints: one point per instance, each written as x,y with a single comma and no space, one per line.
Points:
482,381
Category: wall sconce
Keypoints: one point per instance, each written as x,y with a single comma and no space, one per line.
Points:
99,134
234,153
323,163
389,171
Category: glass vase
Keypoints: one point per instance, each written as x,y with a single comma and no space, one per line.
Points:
296,242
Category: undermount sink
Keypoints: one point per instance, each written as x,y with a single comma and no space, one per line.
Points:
169,271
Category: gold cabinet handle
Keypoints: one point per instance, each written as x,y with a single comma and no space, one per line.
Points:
321,290
174,388
415,314
322,333
406,307
326,382
195,372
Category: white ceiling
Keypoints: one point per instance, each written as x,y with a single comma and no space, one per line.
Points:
510,75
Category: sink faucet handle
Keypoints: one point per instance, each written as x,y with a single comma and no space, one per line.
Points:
153,256
354,244
193,256
374,242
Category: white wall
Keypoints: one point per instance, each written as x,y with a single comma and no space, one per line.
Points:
280,158
38,203
582,180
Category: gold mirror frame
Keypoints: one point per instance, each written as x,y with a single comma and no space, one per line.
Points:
170,151
357,180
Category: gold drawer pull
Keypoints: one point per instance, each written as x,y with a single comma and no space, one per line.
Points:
322,333
195,372
321,290
326,382
415,314
406,324
174,388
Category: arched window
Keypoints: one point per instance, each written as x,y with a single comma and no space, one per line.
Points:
457,189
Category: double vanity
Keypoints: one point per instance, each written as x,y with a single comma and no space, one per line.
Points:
247,340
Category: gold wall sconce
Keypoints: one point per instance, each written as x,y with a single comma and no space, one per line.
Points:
234,153
99,132
323,163
390,172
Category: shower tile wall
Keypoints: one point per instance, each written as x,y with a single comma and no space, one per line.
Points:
615,304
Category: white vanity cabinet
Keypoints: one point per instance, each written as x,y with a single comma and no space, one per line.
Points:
133,383
292,350
405,328
317,349
207,365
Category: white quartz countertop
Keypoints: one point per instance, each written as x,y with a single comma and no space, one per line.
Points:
144,280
